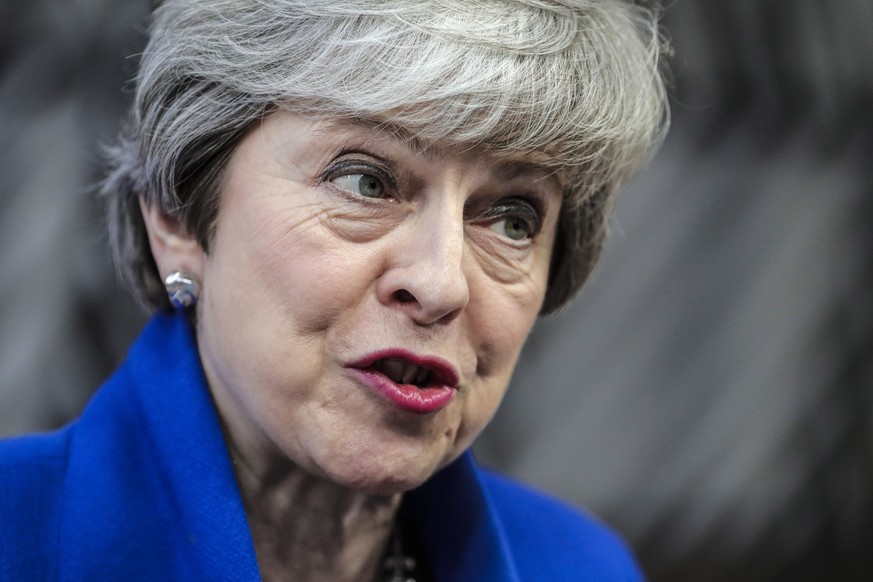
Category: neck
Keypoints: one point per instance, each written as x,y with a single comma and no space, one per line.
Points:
307,528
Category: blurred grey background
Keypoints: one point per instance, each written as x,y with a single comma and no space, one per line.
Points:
710,393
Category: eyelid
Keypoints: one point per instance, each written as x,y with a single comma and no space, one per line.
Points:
344,166
532,206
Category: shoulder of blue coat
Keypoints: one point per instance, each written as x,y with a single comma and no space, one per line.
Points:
553,540
32,464
32,473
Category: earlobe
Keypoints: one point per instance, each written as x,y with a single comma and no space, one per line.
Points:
173,247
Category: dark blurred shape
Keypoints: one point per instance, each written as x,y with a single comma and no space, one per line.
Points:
781,94
66,322
717,376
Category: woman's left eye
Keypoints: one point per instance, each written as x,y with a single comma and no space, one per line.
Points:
514,227
515,219
366,185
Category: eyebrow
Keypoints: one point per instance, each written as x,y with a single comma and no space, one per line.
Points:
511,169
392,130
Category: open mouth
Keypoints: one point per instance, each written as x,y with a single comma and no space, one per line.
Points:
412,383
402,371
410,370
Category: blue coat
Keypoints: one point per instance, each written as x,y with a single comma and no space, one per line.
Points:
141,487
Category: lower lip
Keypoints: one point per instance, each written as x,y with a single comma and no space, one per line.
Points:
407,396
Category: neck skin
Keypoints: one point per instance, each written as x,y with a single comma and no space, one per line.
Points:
307,528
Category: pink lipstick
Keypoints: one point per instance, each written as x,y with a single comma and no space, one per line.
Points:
420,384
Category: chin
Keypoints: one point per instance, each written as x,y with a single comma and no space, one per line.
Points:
374,479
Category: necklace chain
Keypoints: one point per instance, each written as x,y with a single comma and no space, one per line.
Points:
397,566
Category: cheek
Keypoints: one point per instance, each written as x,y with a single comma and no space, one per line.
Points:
262,288
300,273
503,320
502,331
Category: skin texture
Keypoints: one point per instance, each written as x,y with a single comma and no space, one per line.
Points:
333,241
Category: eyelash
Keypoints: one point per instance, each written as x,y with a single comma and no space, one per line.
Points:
355,167
529,207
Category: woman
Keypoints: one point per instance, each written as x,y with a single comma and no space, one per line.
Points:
347,216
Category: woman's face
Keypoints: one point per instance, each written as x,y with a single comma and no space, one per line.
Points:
365,299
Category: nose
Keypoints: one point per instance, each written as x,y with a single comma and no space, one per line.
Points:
425,277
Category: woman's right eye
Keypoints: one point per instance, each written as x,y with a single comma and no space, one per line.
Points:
365,185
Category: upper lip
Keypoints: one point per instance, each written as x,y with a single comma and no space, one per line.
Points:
427,370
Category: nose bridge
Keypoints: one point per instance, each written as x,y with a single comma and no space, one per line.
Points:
441,244
433,259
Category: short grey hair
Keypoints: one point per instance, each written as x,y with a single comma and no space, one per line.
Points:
575,83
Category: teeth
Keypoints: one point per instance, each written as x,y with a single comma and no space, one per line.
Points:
402,372
393,369
409,373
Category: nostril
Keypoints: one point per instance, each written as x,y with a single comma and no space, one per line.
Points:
404,296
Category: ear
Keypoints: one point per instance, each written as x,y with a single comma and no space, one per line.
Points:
173,247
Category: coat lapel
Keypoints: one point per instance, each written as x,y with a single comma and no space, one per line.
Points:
148,462
460,530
